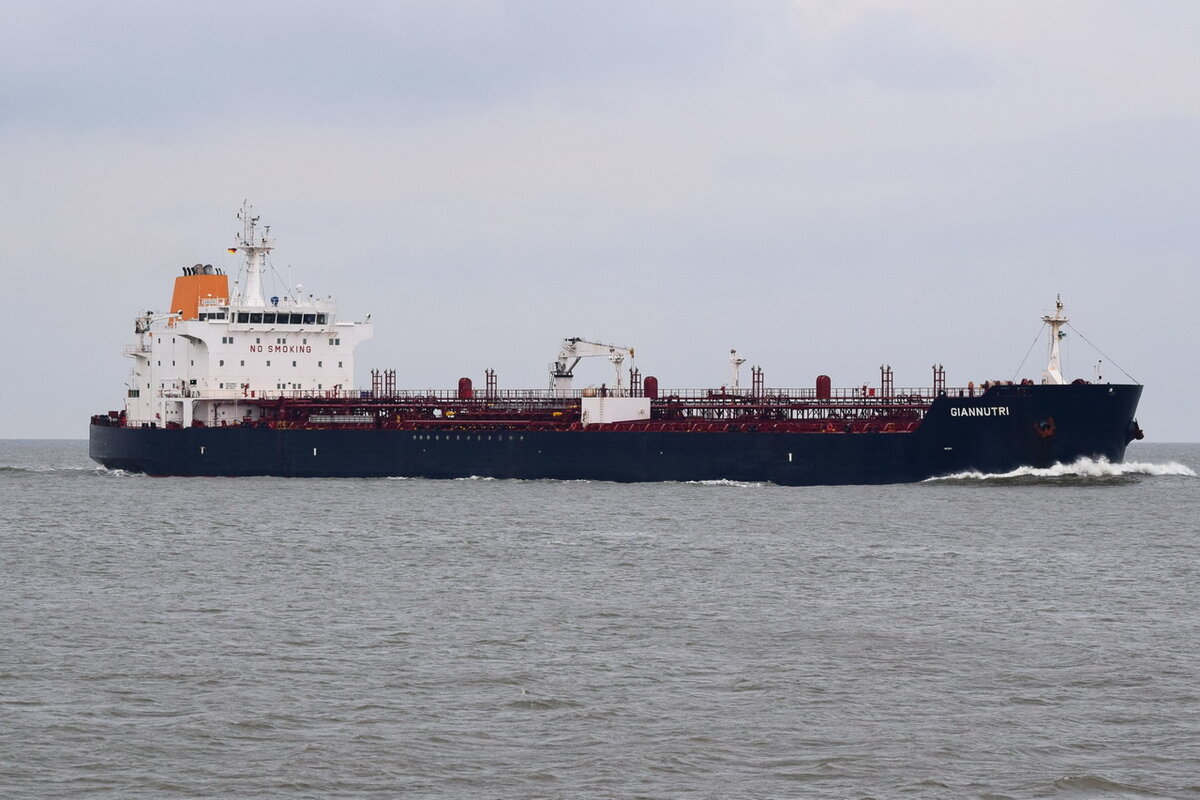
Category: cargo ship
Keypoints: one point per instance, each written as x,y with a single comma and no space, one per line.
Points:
232,382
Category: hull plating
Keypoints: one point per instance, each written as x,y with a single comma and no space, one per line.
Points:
1005,428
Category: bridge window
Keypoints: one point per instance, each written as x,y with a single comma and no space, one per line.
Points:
243,316
310,319
321,319
255,319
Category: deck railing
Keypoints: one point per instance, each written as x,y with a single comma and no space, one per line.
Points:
865,396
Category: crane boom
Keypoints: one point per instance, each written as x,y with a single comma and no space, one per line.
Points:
562,370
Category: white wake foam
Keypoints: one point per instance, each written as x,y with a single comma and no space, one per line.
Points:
727,482
46,469
1083,468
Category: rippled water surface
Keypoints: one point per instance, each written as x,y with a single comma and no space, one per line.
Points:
1027,635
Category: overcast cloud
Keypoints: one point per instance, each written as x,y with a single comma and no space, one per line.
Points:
826,186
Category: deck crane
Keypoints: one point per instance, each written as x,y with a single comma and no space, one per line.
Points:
562,370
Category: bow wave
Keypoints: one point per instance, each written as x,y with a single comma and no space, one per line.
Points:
1083,468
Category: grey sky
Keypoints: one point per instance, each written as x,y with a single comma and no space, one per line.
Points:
826,186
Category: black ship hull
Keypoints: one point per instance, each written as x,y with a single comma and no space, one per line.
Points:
1004,428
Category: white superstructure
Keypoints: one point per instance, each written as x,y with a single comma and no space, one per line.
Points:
213,349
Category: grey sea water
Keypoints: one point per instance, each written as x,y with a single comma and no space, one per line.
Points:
1026,636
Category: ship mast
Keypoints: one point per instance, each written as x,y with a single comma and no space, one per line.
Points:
1053,373
735,366
256,248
